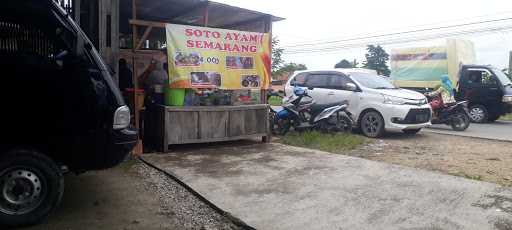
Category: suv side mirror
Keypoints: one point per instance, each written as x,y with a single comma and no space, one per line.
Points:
351,86
311,88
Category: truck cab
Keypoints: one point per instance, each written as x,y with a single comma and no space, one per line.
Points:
488,91
61,109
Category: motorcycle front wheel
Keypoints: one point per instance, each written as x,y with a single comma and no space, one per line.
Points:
459,121
344,124
281,127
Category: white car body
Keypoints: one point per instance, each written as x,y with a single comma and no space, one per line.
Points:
394,105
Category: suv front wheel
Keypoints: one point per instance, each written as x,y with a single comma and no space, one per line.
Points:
372,124
31,186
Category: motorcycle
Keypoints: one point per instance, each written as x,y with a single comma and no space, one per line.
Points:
454,114
302,113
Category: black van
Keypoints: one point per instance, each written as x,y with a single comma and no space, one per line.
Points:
60,109
488,91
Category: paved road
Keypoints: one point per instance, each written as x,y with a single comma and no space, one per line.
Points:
499,130
275,186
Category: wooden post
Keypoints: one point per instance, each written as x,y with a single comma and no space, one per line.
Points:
268,29
205,14
76,11
144,37
138,150
134,27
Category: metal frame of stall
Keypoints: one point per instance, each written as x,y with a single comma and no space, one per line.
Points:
200,124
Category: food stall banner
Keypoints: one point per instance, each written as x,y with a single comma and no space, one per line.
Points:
202,57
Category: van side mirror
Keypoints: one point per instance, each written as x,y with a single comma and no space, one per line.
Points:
351,86
310,88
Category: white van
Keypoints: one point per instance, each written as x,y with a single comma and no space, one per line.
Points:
376,105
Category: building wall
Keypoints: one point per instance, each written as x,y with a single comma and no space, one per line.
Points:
100,21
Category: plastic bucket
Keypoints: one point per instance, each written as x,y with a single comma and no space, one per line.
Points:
174,97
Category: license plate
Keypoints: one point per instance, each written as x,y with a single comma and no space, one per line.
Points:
422,118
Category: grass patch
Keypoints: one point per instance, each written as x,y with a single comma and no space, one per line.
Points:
275,101
126,166
326,142
507,117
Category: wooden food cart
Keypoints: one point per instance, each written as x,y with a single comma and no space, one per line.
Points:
201,124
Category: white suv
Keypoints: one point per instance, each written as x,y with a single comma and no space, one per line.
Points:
375,104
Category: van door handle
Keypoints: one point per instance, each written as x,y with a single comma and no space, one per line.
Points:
330,93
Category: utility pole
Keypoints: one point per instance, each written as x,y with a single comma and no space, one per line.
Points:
510,63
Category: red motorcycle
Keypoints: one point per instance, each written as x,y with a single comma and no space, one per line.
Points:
454,114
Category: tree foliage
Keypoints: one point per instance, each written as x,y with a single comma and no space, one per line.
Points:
289,68
343,64
376,59
355,64
277,53
279,67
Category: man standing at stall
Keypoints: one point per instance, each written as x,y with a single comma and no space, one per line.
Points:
153,80
125,75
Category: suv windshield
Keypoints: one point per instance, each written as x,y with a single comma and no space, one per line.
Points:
372,81
503,78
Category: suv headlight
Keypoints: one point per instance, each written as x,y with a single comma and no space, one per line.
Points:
393,100
507,99
122,117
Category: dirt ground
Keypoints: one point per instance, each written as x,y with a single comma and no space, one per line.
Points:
473,158
129,197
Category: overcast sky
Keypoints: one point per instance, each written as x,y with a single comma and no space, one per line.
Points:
311,21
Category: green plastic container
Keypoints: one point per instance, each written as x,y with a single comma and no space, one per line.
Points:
174,97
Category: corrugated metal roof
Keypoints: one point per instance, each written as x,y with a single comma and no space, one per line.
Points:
191,12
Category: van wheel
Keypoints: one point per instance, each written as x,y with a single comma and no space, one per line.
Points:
31,186
493,118
372,124
478,114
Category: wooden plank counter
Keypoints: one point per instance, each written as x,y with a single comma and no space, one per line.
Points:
201,124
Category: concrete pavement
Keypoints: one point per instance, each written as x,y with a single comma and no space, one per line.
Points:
275,186
499,130
106,200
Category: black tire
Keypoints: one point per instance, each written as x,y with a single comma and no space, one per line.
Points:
478,114
282,127
493,118
32,178
344,124
336,123
411,131
372,124
460,121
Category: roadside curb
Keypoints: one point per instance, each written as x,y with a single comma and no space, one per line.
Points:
461,135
